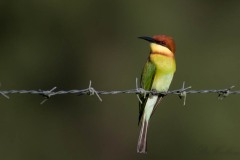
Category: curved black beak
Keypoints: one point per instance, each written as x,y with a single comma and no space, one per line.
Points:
149,39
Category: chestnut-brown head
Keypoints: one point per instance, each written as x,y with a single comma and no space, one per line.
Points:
162,40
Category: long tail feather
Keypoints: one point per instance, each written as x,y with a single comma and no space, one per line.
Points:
142,140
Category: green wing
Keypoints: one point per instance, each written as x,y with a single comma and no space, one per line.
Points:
148,74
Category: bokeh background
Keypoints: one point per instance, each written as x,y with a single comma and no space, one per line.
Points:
68,43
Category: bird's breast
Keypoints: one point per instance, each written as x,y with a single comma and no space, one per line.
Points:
165,68
163,63
162,81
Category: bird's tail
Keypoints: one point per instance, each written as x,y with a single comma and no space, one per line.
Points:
142,140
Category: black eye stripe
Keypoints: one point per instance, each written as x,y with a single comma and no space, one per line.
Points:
161,43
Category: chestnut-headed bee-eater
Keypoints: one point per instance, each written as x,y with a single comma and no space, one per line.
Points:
157,75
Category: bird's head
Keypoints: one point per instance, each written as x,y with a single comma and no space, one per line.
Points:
161,44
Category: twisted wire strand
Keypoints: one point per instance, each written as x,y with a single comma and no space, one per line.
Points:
182,92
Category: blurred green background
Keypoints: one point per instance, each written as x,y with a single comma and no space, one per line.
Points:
67,43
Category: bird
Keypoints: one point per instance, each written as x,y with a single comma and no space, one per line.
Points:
157,76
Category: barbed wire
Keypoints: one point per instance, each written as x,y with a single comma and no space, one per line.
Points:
182,92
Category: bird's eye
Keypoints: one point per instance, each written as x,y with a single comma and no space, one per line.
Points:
161,43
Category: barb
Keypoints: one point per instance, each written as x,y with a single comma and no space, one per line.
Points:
4,95
47,94
225,93
142,91
92,91
182,92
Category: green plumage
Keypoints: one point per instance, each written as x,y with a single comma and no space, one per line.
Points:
147,78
